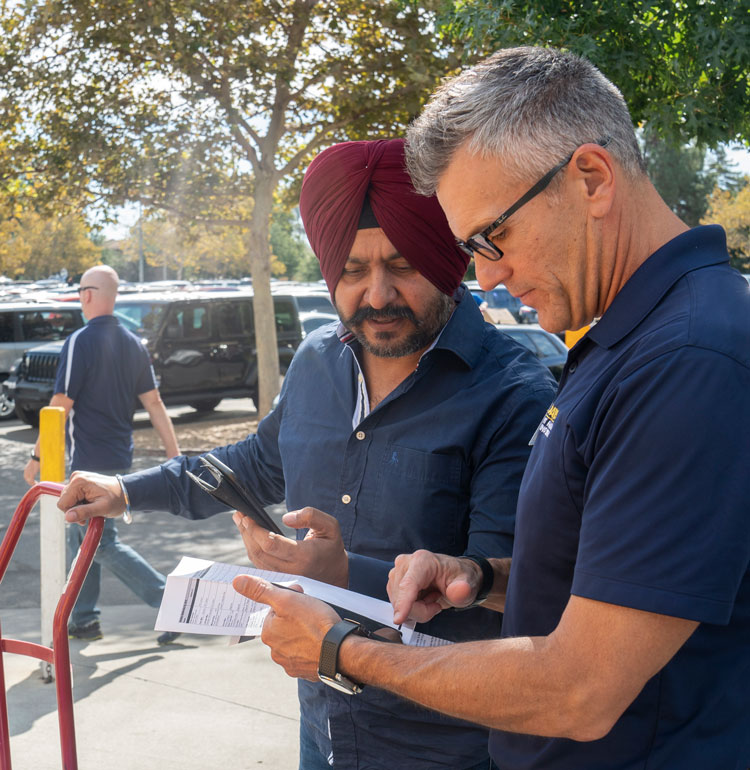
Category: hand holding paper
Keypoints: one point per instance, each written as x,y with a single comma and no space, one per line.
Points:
295,627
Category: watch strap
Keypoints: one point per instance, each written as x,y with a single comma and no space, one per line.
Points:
329,655
488,579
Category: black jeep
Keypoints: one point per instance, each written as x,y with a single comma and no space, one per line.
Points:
202,347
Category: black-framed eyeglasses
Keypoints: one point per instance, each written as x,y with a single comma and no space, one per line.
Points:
481,242
83,288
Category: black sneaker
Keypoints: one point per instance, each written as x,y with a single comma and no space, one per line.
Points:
89,633
168,637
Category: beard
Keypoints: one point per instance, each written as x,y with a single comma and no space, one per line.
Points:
388,344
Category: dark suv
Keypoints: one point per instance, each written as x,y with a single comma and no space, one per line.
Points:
202,346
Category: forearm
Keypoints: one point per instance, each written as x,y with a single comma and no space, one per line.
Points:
161,422
510,684
163,426
575,683
168,488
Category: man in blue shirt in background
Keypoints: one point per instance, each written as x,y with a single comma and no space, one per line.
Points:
627,605
406,427
102,369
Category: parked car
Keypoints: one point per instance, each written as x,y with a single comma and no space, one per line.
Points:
202,348
500,298
311,297
548,348
312,320
25,325
528,315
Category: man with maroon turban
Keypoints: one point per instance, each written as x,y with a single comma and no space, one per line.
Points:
406,427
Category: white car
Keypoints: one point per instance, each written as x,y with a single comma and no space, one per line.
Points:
28,324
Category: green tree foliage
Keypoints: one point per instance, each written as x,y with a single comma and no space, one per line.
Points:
191,106
289,244
308,269
174,248
731,210
34,247
682,65
685,175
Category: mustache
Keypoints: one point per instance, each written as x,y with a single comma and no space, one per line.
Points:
384,314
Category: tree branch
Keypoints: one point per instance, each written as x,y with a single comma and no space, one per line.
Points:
315,142
295,37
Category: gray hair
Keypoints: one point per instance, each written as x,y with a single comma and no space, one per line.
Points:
529,106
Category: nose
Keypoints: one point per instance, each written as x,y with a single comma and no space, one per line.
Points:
381,290
489,273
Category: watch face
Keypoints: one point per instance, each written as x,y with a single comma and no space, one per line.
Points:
340,683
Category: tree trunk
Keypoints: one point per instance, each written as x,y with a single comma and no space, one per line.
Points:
259,252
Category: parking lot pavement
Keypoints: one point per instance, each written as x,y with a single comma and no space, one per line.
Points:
161,538
196,704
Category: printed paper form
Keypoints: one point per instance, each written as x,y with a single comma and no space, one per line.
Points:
199,599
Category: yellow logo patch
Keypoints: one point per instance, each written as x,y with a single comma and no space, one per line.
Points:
549,420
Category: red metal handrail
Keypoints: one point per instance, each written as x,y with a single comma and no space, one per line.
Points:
59,653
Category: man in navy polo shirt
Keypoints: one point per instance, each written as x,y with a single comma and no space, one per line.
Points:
627,606
103,368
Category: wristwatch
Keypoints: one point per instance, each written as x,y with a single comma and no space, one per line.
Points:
34,457
329,655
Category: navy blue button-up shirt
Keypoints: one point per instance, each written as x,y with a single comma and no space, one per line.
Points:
637,494
437,464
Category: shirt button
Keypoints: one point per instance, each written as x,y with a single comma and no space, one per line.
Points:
360,434
346,499
573,367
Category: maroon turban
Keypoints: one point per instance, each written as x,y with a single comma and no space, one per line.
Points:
334,190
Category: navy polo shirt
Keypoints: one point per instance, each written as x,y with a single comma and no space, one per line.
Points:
103,368
637,493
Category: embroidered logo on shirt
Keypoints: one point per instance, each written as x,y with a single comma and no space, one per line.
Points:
547,423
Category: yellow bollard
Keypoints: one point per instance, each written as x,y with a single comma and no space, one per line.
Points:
572,337
52,444
51,523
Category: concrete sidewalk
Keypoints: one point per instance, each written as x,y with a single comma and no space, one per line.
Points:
193,705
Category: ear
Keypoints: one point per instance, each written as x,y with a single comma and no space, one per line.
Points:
594,169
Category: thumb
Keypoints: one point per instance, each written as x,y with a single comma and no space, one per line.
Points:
459,592
80,514
257,589
311,518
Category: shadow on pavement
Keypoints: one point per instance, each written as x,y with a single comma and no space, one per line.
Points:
31,699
